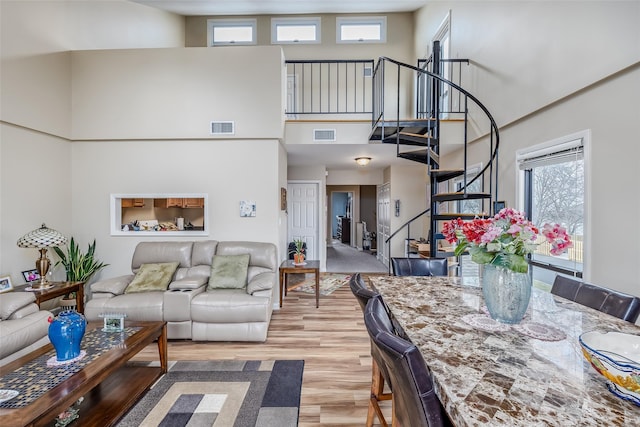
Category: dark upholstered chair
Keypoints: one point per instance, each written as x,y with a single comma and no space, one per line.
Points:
614,303
414,400
419,266
379,374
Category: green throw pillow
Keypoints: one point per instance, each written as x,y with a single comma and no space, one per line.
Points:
229,272
152,277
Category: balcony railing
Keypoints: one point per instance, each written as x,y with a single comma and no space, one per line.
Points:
329,87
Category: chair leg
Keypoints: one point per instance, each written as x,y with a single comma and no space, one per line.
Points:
377,394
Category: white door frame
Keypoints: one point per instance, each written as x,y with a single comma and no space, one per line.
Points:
322,218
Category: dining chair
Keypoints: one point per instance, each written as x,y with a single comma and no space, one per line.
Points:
419,266
379,374
605,300
414,402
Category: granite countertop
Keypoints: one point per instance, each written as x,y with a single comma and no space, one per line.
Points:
531,374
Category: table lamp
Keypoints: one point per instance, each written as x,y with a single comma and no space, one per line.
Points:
42,238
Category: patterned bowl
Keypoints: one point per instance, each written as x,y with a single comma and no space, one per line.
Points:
616,356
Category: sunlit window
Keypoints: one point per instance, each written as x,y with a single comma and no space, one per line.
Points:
231,32
295,30
371,29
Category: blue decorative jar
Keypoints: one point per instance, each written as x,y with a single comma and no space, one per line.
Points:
65,333
506,293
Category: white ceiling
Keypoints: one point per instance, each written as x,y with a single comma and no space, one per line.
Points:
281,7
334,157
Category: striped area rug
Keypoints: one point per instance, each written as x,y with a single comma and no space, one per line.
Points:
227,393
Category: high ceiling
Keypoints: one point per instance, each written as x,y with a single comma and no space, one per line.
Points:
334,157
282,7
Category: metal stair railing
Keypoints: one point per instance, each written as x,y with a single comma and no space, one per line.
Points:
468,101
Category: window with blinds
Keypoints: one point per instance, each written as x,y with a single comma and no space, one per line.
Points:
553,182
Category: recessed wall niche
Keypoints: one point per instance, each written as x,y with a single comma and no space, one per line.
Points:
160,215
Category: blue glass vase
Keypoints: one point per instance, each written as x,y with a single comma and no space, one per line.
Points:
506,293
65,333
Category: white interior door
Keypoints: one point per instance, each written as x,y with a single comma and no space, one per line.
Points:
384,222
302,203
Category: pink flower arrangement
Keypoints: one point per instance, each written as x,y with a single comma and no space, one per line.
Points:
504,239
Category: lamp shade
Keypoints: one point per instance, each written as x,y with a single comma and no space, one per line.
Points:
41,238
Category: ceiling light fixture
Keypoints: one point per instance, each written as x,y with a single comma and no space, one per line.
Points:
363,161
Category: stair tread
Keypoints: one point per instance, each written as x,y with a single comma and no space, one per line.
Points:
447,197
442,175
455,215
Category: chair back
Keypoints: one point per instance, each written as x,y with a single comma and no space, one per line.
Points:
414,399
618,304
419,266
360,290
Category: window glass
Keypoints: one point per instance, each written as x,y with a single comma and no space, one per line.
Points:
554,192
294,30
231,32
365,29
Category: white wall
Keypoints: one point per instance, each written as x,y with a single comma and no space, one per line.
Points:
224,170
572,63
35,187
409,185
176,93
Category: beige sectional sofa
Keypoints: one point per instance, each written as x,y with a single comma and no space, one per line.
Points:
190,306
23,326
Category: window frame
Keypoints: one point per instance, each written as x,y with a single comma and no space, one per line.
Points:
361,20
218,23
558,145
315,21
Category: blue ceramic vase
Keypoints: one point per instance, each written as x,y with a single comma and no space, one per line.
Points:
506,293
65,333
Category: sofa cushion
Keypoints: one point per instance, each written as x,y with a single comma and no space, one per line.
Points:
229,272
229,306
12,301
152,277
141,306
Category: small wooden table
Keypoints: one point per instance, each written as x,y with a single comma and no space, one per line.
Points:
57,290
288,267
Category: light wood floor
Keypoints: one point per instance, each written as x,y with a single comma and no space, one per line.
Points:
331,339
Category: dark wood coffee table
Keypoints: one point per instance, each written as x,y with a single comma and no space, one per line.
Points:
109,385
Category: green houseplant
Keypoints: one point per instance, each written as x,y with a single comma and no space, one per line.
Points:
298,251
79,266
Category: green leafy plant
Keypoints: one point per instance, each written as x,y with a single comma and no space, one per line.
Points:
78,265
298,247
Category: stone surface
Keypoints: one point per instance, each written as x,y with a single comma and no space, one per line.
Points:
506,378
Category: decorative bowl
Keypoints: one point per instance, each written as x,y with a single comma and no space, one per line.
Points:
616,356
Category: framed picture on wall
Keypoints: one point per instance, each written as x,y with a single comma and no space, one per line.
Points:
283,199
247,208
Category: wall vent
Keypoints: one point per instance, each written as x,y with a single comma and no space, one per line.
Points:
223,128
368,71
324,134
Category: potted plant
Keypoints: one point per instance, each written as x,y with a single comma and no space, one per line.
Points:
299,249
79,266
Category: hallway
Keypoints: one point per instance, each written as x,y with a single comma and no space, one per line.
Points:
342,258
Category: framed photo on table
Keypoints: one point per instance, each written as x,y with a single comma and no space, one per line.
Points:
5,284
31,275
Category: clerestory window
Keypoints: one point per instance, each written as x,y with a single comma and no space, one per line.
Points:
226,32
295,30
365,29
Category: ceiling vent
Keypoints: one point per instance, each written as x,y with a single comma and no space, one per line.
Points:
223,128
324,134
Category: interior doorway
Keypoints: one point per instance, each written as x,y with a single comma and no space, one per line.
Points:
341,216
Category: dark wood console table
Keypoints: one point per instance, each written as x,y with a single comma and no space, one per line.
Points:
57,290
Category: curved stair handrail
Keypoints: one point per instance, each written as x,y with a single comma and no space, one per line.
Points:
491,136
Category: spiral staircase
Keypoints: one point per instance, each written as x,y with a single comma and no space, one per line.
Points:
421,137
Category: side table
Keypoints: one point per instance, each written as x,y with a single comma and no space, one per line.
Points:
288,267
58,289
